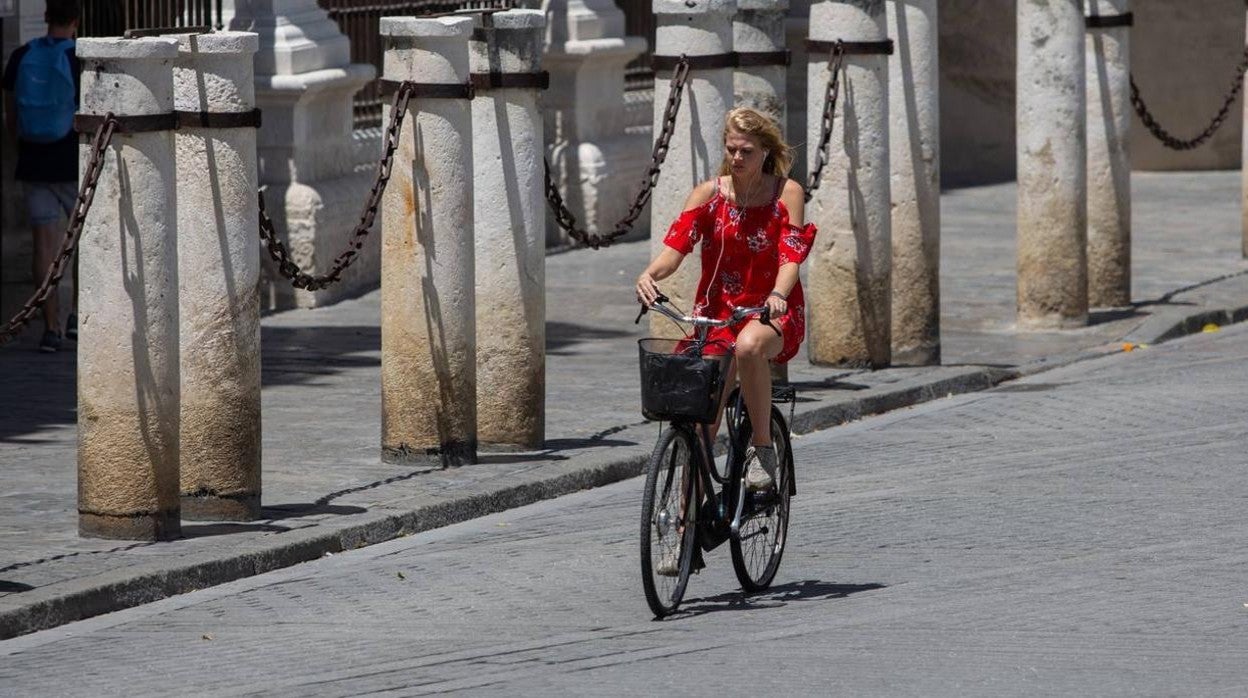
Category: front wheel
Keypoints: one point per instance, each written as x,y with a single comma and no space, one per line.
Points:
668,516
759,545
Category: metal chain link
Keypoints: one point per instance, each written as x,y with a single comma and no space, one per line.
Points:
278,251
830,96
86,194
564,217
1168,140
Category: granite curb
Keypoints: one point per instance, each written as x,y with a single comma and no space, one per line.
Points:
66,602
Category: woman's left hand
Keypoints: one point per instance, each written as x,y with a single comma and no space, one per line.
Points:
778,306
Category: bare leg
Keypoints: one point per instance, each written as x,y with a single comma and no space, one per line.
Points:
757,344
45,249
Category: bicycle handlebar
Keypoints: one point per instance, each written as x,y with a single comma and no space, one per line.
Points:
738,314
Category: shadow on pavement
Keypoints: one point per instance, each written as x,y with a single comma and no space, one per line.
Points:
39,390
776,596
294,355
13,587
561,335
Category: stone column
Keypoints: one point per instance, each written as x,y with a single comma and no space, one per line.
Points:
428,324
510,232
914,138
796,30
316,167
759,27
697,146
1109,158
1244,168
218,281
1052,161
596,164
128,390
849,275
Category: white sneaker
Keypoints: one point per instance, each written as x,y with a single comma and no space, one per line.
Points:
760,468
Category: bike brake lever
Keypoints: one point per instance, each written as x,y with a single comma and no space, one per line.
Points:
765,318
645,308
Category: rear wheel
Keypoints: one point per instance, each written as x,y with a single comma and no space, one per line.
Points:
759,545
668,513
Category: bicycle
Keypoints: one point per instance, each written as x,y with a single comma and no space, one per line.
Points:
682,514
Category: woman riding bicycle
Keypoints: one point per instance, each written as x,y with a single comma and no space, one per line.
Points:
749,220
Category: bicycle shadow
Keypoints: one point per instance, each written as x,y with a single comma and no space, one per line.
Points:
775,597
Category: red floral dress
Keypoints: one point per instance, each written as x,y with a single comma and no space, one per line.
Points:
742,250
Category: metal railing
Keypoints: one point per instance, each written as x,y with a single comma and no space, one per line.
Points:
361,23
639,21
114,17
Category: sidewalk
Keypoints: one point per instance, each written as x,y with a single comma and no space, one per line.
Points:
325,489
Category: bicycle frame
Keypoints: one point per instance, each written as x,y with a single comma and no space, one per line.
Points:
708,476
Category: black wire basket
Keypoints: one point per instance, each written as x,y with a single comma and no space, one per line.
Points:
679,381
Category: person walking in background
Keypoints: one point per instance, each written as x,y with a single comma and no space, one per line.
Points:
41,80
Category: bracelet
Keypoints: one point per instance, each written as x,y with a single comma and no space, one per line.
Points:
779,295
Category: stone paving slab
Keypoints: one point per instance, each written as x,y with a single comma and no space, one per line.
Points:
325,488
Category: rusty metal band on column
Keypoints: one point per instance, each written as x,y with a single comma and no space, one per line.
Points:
140,123
1125,19
148,123
477,82
706,62
204,119
754,59
818,50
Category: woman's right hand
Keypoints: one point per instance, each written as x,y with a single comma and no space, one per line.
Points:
647,289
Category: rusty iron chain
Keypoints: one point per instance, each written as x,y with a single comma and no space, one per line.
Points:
278,251
830,96
73,231
564,217
1169,140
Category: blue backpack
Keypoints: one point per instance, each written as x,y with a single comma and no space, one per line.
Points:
45,91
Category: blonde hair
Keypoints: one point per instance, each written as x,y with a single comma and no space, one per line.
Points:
760,127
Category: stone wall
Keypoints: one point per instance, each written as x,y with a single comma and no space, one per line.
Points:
1184,56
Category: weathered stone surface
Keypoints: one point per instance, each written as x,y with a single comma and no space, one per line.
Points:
128,391
219,275
1109,161
428,335
1052,162
510,231
759,27
849,270
914,141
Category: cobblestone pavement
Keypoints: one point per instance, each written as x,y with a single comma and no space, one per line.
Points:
1074,533
321,398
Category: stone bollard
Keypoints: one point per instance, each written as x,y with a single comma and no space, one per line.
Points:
510,217
761,76
914,139
428,314
697,146
849,275
128,393
218,277
1052,165
1109,160
796,30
